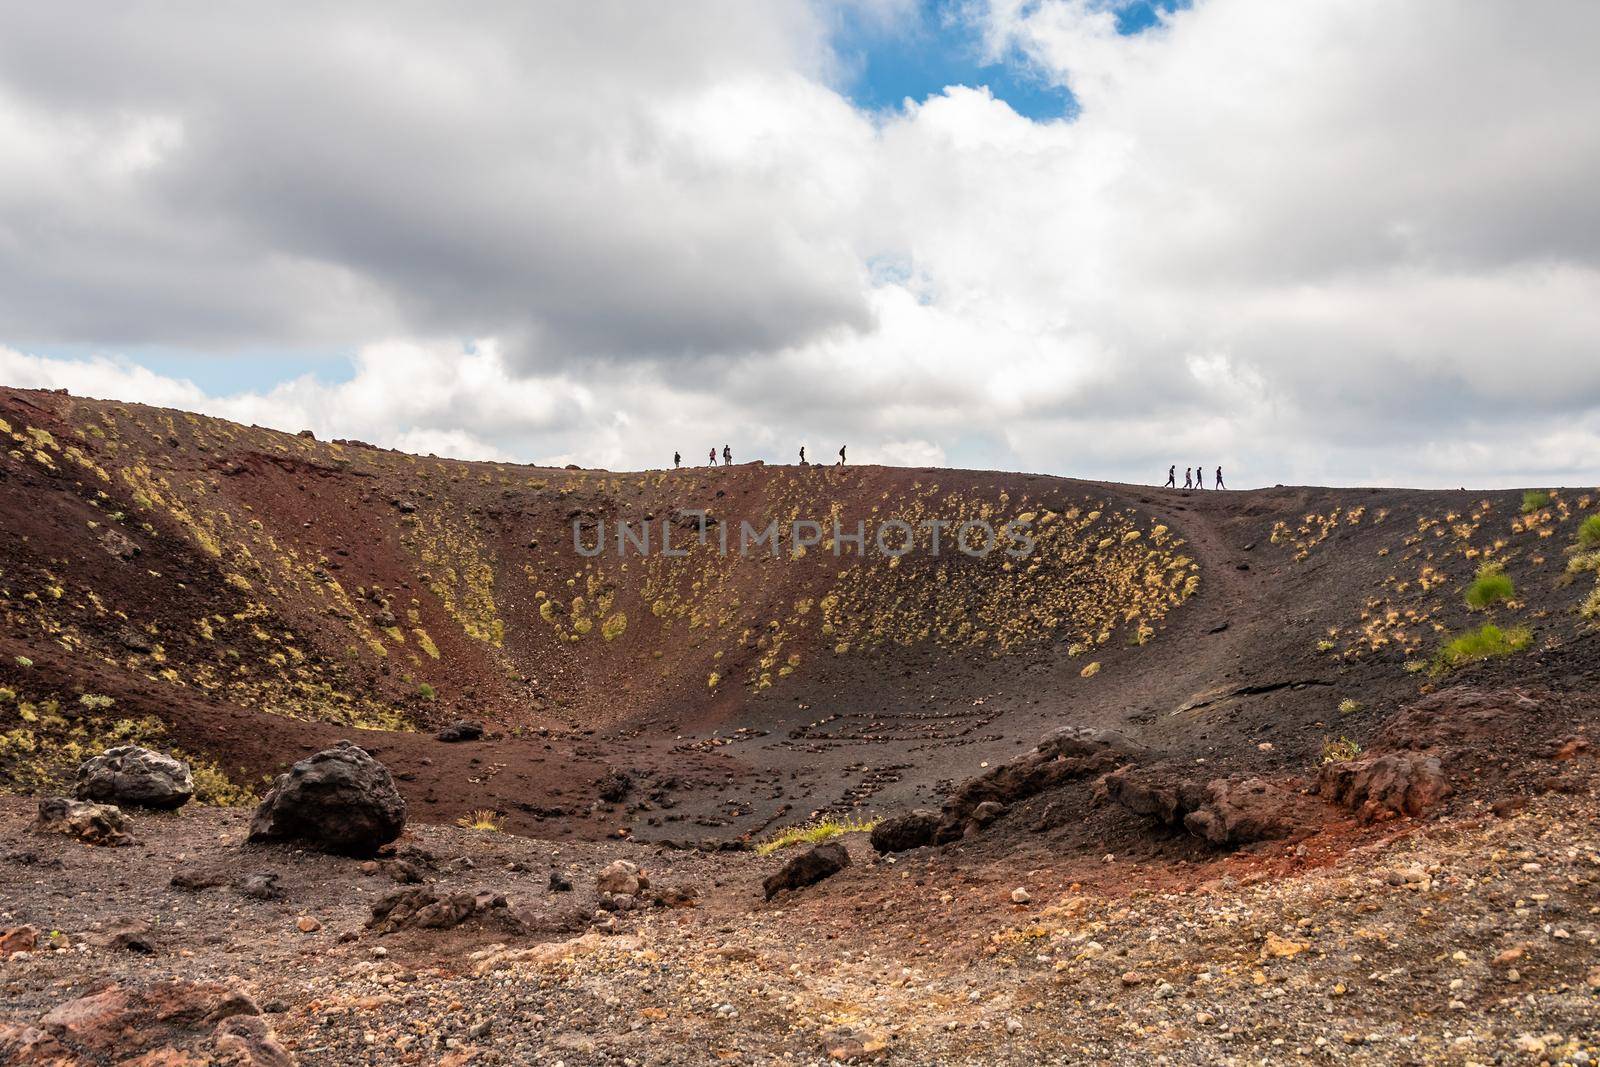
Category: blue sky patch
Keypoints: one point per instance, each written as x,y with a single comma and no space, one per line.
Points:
940,45
248,370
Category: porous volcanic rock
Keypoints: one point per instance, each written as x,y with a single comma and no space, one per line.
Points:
1067,754
614,787
133,776
808,868
248,1040
93,824
166,1022
1227,812
1382,786
1458,716
622,878
1166,799
126,934
461,730
339,800
912,829
1238,812
428,909
119,544
18,939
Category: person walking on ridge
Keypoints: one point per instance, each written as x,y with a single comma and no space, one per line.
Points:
841,455
802,455
1199,476
727,456
677,459
1172,477
1219,484
1188,477
713,455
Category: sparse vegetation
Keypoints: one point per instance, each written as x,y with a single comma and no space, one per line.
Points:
481,819
1339,749
1349,706
1491,587
42,753
814,832
1534,500
425,642
1486,642
1589,533
426,691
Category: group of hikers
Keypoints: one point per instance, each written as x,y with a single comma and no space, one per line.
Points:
727,457
1193,478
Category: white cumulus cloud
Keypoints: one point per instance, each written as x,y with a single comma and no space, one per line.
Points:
1334,242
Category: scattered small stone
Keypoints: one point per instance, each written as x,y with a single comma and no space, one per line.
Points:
124,935
259,887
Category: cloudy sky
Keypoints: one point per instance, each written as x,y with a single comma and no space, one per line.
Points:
1352,241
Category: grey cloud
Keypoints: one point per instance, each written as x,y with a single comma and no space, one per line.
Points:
348,170
1341,241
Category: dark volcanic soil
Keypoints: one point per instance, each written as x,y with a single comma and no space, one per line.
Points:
1460,940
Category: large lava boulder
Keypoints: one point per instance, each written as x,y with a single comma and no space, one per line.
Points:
1383,786
340,800
1072,753
1165,798
908,830
1227,812
131,776
1238,813
809,868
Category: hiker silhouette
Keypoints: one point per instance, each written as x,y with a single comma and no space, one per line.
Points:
802,455
841,455
1172,477
1199,477
727,456
677,460
1219,484
1188,477
713,455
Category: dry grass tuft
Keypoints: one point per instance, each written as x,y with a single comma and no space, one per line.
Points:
815,832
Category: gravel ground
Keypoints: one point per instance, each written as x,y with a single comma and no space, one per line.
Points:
1467,940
